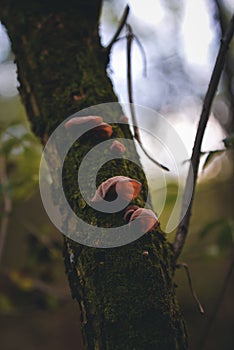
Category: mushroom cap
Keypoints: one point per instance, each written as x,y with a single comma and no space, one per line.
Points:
92,120
145,219
117,147
123,186
145,253
102,131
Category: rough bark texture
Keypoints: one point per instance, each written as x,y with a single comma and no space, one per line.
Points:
127,300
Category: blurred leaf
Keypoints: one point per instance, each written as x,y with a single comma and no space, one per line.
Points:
224,239
210,227
9,145
212,250
6,305
229,141
5,123
223,231
23,282
210,156
52,302
24,175
37,249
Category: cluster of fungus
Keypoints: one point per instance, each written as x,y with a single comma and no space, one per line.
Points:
127,188
117,148
95,124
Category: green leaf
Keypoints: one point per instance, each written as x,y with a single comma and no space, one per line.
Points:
223,231
9,145
211,155
6,305
210,227
225,239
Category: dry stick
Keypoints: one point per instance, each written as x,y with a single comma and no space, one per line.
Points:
218,303
130,37
7,205
191,286
121,25
182,231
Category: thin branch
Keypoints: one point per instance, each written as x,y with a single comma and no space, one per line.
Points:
195,159
129,79
120,27
229,68
143,54
222,292
191,286
7,204
130,37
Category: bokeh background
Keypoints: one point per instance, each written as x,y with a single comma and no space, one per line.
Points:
180,42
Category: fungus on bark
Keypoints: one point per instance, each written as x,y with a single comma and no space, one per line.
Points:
96,127
117,147
90,120
123,119
102,131
129,211
127,188
146,219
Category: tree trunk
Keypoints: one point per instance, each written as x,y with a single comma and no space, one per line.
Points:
127,299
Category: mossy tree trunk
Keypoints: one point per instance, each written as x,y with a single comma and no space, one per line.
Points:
127,300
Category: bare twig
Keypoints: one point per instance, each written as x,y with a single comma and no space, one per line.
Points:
7,205
195,159
130,37
121,25
143,54
218,303
229,68
129,79
191,286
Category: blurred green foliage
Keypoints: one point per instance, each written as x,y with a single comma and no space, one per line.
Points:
222,232
20,149
21,152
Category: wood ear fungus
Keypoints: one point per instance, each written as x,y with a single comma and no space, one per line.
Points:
145,219
98,128
127,188
81,121
102,131
129,211
117,147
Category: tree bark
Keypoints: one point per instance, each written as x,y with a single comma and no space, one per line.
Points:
127,300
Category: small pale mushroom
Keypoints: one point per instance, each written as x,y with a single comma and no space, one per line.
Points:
117,147
127,188
91,120
102,131
146,219
145,253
